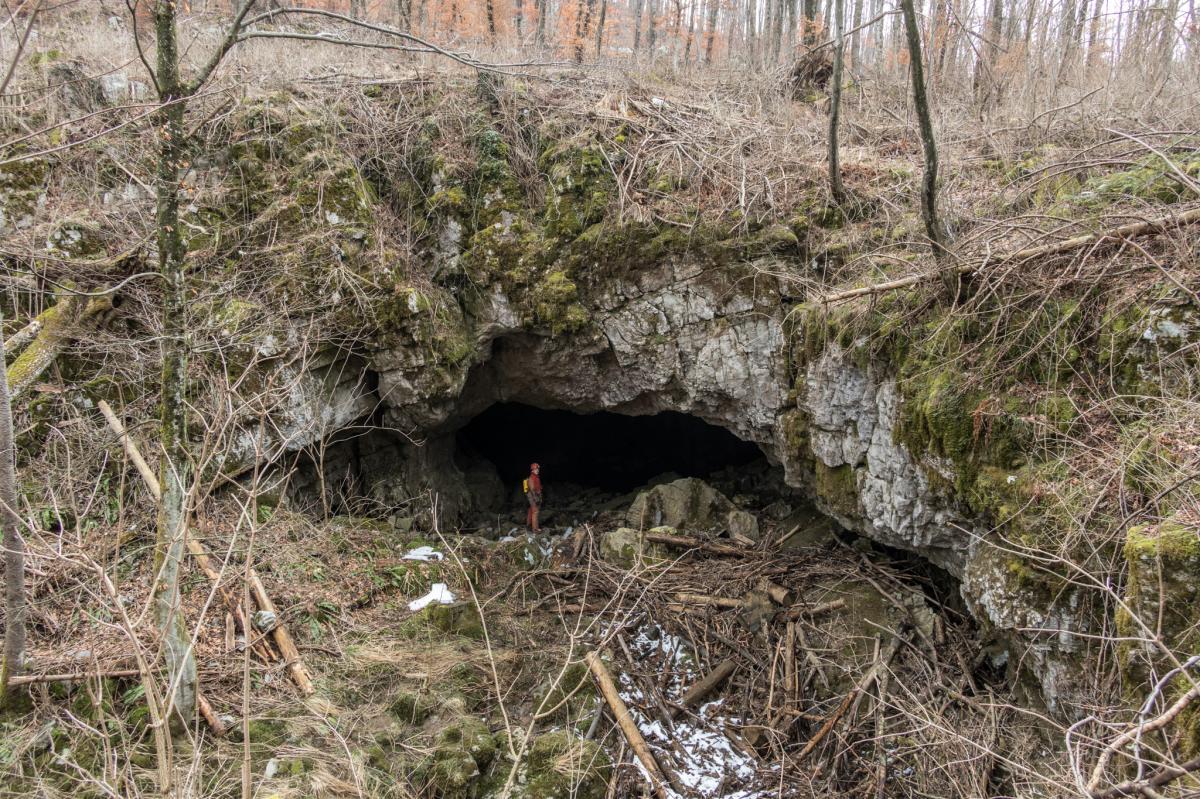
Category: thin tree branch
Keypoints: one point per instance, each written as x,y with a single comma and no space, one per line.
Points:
16,56
231,38
137,43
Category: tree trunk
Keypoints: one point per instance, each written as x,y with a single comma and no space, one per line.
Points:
12,659
711,33
638,6
855,38
404,15
583,27
519,20
1093,54
490,11
543,6
751,31
600,26
929,180
985,68
691,34
175,476
652,28
1066,34
791,29
777,30
835,102
809,34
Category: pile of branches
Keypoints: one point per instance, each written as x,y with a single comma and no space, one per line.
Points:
911,709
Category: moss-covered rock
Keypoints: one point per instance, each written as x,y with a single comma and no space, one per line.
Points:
627,547
561,764
1150,179
457,618
22,191
412,707
1150,347
1162,592
462,752
76,238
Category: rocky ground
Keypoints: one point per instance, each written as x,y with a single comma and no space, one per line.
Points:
452,665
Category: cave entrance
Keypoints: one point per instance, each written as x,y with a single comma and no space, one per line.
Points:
601,450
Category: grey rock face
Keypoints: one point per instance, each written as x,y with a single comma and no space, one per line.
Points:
852,415
680,338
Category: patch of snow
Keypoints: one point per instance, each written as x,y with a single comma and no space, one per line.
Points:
423,553
698,749
439,593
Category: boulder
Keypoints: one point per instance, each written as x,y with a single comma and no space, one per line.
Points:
690,504
626,547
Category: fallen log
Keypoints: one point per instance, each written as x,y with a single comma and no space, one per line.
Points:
77,676
688,542
57,327
779,595
135,455
628,728
1129,231
706,685
19,340
863,685
210,716
283,639
797,611
197,552
715,601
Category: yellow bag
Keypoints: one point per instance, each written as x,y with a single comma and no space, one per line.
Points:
525,486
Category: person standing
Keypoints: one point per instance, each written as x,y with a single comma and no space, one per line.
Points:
533,493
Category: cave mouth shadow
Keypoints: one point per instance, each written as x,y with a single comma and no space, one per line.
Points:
603,450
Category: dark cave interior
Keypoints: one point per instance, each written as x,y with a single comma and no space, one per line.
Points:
603,450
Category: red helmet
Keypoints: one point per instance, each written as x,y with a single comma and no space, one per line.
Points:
533,466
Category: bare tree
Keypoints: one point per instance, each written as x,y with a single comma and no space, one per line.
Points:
12,658
929,213
14,546
711,32
638,5
583,27
835,102
600,26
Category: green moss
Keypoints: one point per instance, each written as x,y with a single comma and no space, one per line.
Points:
571,694
1178,545
581,187
838,487
77,238
450,199
459,618
22,186
462,752
411,707
1162,590
555,302
938,415
773,240
1149,179
265,732
560,764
